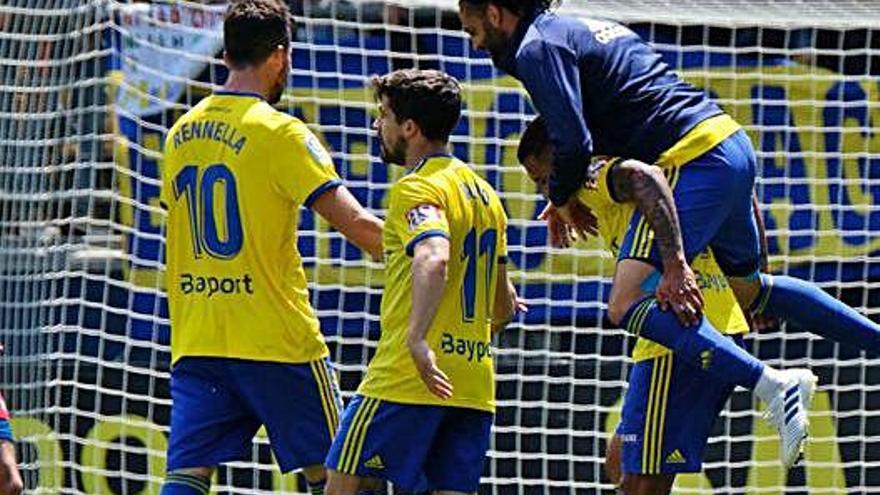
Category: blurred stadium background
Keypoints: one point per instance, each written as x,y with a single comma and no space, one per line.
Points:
89,87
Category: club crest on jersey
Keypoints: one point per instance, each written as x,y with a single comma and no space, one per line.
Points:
421,214
317,150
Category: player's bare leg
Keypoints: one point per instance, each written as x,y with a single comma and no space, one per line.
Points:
10,479
316,478
188,481
726,361
613,460
627,287
746,290
341,483
633,484
647,484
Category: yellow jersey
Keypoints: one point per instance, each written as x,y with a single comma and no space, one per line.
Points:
235,173
721,307
442,196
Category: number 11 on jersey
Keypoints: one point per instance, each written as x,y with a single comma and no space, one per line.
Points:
478,252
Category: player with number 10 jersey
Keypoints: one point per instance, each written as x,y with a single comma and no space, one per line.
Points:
246,346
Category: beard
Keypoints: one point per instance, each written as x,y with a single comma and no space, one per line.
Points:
278,88
395,153
497,44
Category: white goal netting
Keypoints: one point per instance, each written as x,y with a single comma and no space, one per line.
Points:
88,89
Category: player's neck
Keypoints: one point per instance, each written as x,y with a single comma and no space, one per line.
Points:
246,81
417,152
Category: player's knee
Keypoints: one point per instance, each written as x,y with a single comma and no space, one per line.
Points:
617,308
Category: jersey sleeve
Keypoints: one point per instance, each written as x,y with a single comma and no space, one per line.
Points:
550,74
417,212
602,167
501,247
309,172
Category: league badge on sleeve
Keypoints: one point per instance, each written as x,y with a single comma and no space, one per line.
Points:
316,149
421,214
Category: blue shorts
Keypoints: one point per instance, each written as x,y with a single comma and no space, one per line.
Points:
219,404
6,431
668,414
713,195
416,447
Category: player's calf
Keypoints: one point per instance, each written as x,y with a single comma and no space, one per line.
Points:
809,307
613,460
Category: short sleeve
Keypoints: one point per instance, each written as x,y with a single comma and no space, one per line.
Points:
601,167
501,247
309,172
417,212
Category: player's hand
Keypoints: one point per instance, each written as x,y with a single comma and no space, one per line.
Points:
679,291
426,362
520,305
579,218
560,234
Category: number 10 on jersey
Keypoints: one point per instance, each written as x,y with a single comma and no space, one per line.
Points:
198,190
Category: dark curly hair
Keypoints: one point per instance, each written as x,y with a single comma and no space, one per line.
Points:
430,98
253,29
533,140
518,7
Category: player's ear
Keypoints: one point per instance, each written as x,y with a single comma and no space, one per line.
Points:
409,128
277,57
494,14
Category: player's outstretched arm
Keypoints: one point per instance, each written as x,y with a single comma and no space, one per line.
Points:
430,259
550,74
346,215
632,181
10,479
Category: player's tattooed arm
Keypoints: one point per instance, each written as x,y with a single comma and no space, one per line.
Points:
645,185
632,181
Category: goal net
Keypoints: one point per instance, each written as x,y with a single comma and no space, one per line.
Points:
88,89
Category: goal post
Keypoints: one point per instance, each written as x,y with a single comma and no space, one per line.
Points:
88,89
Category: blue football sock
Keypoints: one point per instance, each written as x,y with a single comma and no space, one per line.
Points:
185,484
813,309
700,345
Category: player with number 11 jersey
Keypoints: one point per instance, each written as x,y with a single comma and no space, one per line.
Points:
422,417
